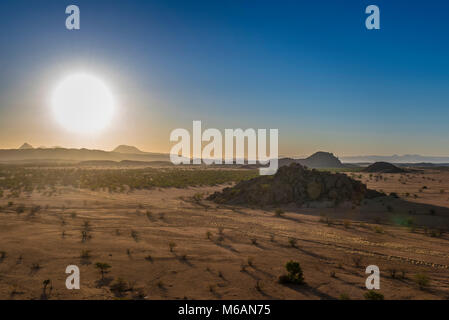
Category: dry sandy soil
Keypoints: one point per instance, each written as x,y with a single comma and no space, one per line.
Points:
224,252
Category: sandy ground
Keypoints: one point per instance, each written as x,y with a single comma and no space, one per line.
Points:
242,256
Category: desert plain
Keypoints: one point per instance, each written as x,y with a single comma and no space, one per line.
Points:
173,243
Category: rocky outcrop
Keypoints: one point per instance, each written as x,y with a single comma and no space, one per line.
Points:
295,184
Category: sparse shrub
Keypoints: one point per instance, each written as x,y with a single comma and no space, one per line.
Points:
259,286
333,274
86,225
357,260
103,268
251,262
34,210
208,235
35,267
435,234
172,246
135,235
392,272
373,295
149,258
394,195
272,238
294,275
292,242
85,236
2,256
422,280
403,274
344,296
379,229
278,212
85,254
347,224
120,286
254,241
45,285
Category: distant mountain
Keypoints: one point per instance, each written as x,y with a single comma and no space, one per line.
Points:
407,158
26,146
127,149
319,159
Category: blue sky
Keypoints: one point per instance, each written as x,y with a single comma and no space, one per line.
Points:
309,68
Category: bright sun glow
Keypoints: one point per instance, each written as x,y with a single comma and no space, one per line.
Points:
83,104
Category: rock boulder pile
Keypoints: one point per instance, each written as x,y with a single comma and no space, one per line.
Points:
295,184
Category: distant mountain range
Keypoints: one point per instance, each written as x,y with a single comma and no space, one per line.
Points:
27,153
407,158
319,159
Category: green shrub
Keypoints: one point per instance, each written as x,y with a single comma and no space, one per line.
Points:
344,296
373,295
294,275
278,212
422,280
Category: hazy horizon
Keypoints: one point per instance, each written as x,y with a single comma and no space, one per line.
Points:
296,156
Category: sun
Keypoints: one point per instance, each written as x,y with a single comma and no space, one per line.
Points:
82,103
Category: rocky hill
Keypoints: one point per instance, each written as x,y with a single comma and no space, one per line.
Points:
295,184
383,167
317,160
